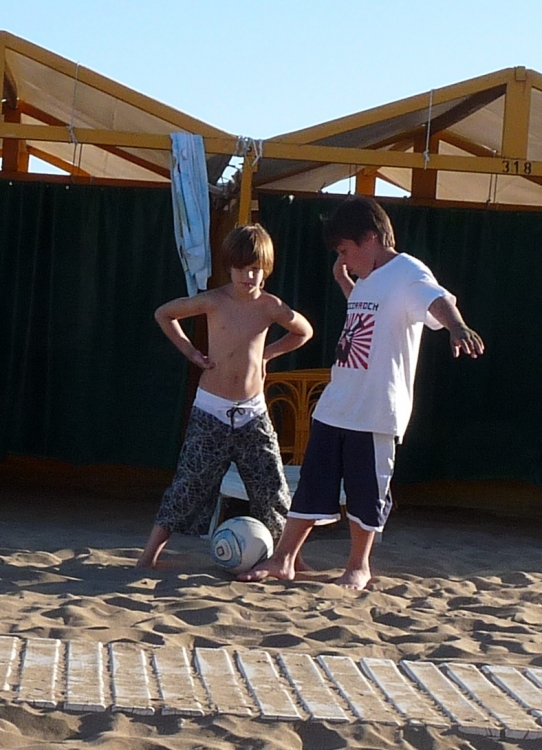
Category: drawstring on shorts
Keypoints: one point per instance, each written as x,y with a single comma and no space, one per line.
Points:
235,409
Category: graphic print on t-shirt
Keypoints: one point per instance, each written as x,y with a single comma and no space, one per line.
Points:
355,342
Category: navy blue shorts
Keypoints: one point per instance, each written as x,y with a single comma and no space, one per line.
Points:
363,460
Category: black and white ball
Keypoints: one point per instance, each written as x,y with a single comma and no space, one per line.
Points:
240,543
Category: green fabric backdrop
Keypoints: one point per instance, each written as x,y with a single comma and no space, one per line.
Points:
87,376
85,373
472,419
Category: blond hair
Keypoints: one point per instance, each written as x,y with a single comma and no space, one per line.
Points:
248,245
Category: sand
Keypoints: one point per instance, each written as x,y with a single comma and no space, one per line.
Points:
449,586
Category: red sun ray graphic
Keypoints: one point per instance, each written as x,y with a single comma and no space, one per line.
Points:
355,342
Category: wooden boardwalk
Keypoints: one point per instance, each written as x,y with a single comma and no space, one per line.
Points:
84,676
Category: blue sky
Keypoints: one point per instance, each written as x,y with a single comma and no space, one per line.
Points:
264,67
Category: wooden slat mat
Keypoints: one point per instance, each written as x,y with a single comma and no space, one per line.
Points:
285,685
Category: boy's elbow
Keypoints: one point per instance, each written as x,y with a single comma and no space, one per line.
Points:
307,333
160,316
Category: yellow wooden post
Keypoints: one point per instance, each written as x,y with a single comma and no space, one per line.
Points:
14,155
366,181
245,197
517,110
424,181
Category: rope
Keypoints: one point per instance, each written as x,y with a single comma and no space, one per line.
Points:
246,145
71,127
492,192
426,156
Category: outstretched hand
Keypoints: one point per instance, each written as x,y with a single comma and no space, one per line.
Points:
464,339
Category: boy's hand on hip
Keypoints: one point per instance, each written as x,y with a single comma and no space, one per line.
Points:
464,339
202,361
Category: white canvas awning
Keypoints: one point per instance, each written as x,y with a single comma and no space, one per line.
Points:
87,124
477,141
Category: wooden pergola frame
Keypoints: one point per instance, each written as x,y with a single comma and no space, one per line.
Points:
15,134
516,84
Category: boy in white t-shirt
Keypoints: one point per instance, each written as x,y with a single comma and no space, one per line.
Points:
364,411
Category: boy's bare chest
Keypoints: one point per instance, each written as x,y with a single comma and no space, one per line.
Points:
239,321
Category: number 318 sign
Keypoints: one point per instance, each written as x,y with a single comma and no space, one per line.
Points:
516,166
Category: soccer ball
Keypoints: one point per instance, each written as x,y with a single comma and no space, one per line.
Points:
240,543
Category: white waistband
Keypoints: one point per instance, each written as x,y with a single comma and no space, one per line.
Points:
234,413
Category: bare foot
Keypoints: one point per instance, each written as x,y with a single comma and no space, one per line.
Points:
269,569
354,579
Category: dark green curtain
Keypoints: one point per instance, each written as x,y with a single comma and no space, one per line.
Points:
85,373
303,276
472,419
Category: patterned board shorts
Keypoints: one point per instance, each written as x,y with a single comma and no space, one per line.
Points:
207,452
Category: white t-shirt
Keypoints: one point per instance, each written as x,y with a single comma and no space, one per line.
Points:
372,380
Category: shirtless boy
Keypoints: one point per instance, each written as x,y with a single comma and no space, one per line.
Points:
229,419
364,411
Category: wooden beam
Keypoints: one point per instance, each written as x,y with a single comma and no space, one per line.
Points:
10,88
455,112
275,150
24,159
535,79
465,144
60,134
402,145
245,197
396,109
14,158
465,108
73,169
57,162
45,117
85,76
517,111
366,181
138,161
390,158
424,181
403,140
